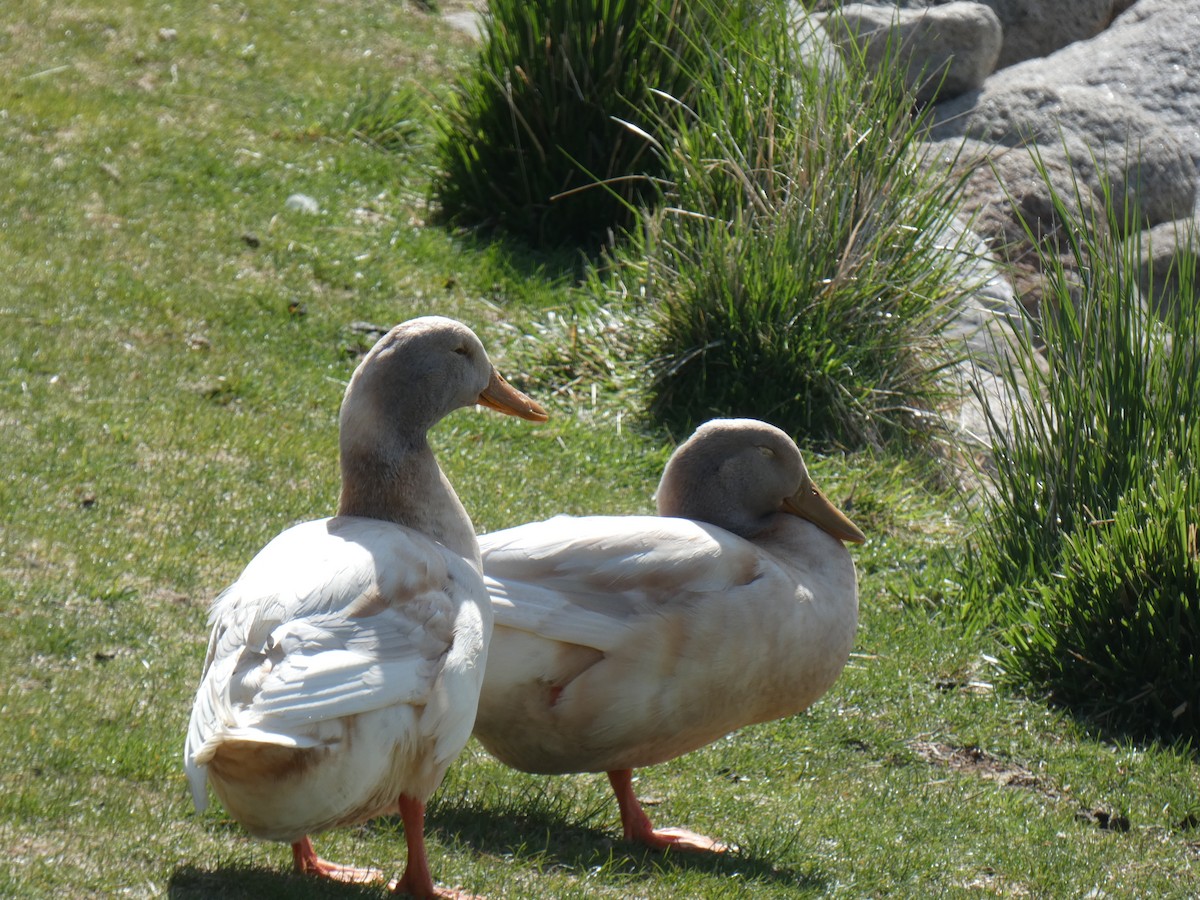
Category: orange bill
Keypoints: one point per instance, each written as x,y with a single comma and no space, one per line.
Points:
809,503
503,397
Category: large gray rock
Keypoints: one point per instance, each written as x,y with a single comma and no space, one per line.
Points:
815,47
1009,198
1031,28
989,313
1149,57
1008,193
1130,90
1161,253
945,50
1104,135
1034,28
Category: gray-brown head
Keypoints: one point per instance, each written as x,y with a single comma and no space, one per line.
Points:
418,373
738,473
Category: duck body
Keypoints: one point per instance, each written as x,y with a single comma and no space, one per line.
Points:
344,665
625,641
323,699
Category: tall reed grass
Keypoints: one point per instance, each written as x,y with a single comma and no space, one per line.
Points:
1086,555
533,142
804,262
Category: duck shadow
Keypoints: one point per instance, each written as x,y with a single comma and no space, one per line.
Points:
246,882
543,837
537,838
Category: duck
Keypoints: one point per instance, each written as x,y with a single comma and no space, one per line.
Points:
344,664
626,641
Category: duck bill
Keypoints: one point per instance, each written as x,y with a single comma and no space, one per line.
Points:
809,503
503,397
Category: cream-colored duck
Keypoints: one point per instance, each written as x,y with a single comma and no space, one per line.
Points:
345,663
624,641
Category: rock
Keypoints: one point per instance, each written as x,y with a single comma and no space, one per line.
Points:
302,203
1008,197
1160,252
1034,28
1144,67
946,50
984,396
1010,192
468,21
984,324
816,48
1031,28
1148,57
1103,135
986,331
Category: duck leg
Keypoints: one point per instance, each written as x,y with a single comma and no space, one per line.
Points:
637,824
416,880
307,862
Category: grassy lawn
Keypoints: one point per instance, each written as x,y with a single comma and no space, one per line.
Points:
176,341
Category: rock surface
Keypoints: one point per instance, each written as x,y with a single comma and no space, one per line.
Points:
1162,251
1031,28
1087,97
945,50
1120,106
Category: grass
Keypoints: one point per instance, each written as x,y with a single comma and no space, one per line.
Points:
177,342
1087,555
540,119
800,240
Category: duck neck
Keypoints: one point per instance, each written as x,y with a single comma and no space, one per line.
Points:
408,487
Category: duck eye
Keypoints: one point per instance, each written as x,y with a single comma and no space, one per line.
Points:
461,350
766,451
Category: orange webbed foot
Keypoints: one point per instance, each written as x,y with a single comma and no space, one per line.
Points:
308,863
679,839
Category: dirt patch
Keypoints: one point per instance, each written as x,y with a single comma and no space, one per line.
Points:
975,761
978,762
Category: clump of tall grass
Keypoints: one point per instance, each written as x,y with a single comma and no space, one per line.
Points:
803,264
384,118
532,139
1086,556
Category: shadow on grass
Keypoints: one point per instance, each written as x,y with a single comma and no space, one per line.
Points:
514,260
545,836
1113,722
532,828
242,882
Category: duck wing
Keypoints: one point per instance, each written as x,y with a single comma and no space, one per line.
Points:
392,611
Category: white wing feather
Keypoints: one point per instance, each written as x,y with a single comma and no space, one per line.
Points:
376,630
588,580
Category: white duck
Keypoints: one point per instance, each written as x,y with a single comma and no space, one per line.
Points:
624,641
345,663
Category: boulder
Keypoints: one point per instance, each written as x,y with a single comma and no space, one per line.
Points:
1008,194
1148,57
1161,251
1031,28
945,50
1035,28
983,325
1008,198
816,47
1106,138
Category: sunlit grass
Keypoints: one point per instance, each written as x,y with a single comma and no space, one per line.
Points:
176,343
1086,557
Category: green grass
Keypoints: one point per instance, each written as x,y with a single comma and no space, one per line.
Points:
802,266
540,118
176,344
1086,559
